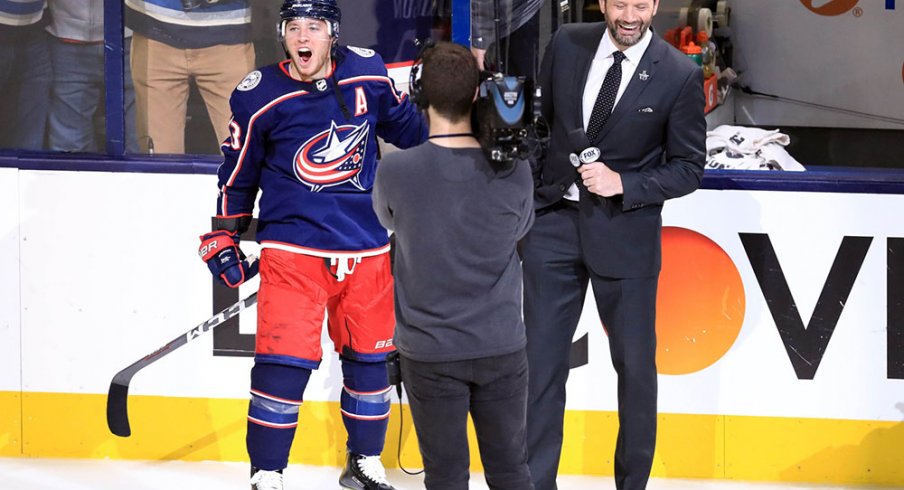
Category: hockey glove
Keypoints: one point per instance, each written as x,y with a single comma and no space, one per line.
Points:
220,250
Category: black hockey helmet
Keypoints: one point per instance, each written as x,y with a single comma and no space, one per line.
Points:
327,10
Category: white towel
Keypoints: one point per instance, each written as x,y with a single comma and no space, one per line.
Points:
743,148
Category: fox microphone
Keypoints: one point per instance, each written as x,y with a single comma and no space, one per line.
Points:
584,152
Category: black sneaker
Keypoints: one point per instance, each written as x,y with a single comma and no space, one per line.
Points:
364,473
266,480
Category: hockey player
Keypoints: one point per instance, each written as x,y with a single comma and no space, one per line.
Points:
303,132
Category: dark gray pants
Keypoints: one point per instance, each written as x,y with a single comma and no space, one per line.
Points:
555,284
494,391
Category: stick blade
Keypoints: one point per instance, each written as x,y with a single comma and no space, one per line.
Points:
118,410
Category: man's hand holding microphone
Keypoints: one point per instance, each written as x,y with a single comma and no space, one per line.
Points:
595,175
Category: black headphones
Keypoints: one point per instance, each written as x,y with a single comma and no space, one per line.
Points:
415,87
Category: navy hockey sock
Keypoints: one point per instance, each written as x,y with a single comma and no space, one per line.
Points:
276,395
365,404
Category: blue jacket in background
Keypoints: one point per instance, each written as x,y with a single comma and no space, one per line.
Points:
165,21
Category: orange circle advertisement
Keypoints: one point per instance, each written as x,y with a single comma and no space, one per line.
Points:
700,303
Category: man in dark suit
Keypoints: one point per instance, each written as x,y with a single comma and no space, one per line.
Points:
600,222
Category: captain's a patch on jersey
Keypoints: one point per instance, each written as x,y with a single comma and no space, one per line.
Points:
250,81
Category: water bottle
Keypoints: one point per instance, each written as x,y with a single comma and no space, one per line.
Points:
707,55
694,52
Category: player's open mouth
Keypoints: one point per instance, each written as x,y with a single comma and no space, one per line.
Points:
305,54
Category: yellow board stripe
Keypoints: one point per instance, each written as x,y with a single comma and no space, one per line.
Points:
59,425
10,423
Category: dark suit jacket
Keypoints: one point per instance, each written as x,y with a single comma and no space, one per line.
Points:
655,139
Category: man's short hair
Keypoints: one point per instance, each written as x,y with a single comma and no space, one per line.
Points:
449,80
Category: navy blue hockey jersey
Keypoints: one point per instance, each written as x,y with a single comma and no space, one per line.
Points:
314,162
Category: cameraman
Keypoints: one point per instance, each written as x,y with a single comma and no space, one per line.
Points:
459,332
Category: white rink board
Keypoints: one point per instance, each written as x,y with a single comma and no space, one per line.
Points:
755,377
9,281
110,273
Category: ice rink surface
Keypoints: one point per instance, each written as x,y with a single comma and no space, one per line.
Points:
77,474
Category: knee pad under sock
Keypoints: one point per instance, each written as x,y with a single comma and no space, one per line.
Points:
365,404
276,395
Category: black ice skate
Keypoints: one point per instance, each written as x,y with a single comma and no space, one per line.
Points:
364,473
266,480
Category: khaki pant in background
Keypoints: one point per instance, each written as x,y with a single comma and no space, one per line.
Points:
161,74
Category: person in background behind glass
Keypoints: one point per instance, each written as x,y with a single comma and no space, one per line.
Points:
77,55
25,74
519,34
174,42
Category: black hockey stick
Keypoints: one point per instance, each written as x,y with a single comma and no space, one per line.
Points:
117,398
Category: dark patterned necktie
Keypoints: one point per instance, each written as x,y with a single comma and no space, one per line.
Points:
606,98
